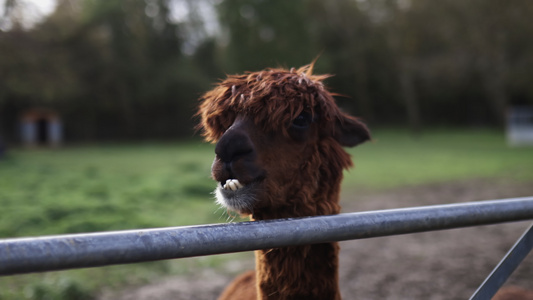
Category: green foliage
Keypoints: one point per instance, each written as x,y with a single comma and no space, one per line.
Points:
64,289
267,34
114,187
117,69
113,69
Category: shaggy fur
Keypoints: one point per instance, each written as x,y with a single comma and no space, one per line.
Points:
280,135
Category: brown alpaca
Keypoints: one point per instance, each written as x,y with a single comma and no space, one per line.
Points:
279,154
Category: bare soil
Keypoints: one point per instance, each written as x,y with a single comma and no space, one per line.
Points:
448,264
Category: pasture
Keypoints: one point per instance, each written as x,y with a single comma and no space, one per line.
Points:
125,186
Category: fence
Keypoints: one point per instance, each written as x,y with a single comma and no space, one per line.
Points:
24,255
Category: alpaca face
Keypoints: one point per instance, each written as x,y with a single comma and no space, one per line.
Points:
279,138
256,169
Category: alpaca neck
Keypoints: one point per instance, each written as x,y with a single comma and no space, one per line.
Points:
317,204
310,271
300,272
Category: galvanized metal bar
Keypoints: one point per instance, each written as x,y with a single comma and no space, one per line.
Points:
23,255
506,267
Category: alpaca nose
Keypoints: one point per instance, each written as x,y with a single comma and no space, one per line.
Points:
235,144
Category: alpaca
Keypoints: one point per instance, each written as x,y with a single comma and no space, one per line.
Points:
279,138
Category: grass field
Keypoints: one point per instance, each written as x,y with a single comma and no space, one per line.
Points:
394,158
111,187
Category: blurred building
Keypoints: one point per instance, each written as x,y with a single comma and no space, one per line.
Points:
520,126
41,127
2,148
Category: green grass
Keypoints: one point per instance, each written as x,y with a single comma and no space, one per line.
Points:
85,189
105,188
395,158
112,187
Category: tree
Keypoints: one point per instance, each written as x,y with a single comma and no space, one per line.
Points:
266,33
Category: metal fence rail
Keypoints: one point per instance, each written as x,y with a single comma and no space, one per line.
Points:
24,255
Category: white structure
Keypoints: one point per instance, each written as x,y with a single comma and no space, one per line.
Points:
520,126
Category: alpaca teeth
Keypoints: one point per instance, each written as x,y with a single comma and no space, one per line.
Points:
232,184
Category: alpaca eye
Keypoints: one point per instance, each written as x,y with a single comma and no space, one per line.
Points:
302,121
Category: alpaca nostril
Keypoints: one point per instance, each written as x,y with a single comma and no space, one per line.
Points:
239,154
232,153
234,145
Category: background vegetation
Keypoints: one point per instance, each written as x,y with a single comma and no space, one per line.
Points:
121,69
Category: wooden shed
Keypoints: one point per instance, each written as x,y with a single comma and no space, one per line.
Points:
41,127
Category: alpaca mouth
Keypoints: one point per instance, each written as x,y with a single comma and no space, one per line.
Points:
237,196
232,184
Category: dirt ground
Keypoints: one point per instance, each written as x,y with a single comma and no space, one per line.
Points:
435,265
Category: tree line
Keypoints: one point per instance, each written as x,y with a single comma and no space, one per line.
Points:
125,69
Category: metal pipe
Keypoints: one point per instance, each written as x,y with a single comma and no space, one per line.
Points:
24,255
506,267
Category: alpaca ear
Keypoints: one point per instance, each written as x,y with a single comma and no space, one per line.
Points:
350,132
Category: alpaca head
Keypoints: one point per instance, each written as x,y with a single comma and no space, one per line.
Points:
279,138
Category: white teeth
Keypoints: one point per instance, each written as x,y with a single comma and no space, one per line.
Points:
232,184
